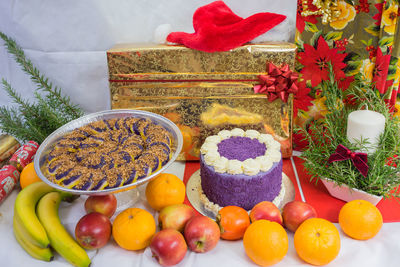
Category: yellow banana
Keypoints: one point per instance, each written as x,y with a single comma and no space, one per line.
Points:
39,253
24,210
60,239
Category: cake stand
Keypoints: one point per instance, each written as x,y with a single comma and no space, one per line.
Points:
128,194
193,195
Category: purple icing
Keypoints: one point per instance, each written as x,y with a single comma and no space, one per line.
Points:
240,190
241,148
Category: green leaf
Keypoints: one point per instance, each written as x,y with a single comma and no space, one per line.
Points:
350,2
333,36
310,27
386,41
315,37
373,29
353,67
364,42
300,44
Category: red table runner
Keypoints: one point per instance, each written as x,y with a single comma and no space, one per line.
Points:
315,194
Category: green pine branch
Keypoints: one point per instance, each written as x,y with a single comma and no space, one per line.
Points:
325,135
51,109
40,80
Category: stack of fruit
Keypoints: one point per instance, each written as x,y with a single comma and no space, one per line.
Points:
181,228
37,226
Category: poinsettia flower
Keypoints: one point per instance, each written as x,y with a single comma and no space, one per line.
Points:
347,14
345,82
389,19
315,62
381,71
301,99
301,20
378,16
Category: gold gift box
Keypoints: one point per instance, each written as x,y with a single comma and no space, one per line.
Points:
201,92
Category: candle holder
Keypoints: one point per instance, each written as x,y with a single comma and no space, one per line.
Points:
342,164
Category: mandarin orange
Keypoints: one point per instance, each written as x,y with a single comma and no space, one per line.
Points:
28,176
317,241
133,229
164,190
360,219
265,242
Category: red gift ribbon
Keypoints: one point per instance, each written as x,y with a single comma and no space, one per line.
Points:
360,160
278,83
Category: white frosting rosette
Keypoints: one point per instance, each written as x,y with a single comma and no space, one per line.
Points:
261,163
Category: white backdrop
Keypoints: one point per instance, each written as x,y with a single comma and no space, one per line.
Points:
67,40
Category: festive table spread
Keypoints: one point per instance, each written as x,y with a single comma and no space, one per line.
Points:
191,161
382,250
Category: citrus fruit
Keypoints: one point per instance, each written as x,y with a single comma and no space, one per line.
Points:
265,242
187,137
28,176
317,241
360,219
133,229
233,222
164,190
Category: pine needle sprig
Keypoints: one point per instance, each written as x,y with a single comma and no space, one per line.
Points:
40,80
34,120
324,136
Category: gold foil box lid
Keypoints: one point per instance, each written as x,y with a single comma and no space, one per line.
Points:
156,59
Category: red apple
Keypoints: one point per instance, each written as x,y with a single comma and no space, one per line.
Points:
106,204
168,247
175,216
93,230
296,212
266,210
202,234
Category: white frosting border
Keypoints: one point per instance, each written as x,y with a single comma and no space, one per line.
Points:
262,163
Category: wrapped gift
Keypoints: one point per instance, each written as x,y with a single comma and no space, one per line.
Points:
8,145
204,93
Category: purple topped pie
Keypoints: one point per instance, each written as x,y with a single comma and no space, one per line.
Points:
109,153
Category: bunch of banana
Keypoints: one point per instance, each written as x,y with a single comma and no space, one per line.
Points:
37,226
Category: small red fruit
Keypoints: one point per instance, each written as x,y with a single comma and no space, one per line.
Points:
175,216
93,230
168,247
266,210
296,212
201,234
106,204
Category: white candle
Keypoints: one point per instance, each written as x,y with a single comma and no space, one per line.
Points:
365,124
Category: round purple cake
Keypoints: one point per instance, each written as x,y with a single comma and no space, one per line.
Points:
240,168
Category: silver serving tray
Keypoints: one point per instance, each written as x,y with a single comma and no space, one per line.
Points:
48,143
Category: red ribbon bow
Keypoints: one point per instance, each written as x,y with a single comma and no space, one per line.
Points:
360,160
279,82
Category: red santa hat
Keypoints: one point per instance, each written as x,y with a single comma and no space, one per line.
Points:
217,28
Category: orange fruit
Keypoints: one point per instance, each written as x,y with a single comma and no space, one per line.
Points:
28,176
164,190
317,241
233,222
360,219
265,242
133,229
187,137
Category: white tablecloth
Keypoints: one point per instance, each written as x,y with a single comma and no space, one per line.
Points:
382,250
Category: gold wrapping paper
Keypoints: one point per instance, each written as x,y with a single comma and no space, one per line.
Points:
201,92
8,145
